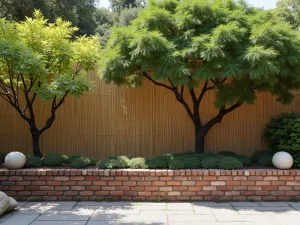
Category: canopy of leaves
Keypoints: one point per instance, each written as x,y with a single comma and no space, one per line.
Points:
290,11
243,49
78,12
119,5
37,57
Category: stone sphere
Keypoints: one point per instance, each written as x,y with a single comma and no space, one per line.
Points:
282,160
15,160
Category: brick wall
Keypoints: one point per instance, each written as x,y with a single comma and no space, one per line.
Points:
151,185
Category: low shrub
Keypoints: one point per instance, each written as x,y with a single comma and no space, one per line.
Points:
230,163
2,156
71,158
138,163
65,158
52,160
244,159
210,163
296,163
176,163
227,153
258,154
192,163
265,160
33,162
80,163
283,133
114,162
93,160
158,162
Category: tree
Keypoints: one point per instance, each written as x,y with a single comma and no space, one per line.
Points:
192,47
104,20
127,15
290,11
40,60
79,12
119,5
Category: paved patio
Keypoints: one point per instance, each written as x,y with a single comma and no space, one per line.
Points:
129,213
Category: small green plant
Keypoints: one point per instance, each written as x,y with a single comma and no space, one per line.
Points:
227,153
192,163
265,160
71,158
138,163
244,159
158,162
258,154
176,163
33,162
210,163
2,156
80,163
114,162
52,160
230,163
65,158
93,160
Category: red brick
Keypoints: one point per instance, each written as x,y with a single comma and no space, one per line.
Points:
92,178
129,183
144,193
159,183
101,193
86,193
202,183
174,183
188,183
63,178
76,177
286,178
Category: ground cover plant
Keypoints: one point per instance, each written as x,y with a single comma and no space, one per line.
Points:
187,160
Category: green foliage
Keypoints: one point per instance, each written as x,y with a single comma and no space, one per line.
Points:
2,156
176,163
93,160
120,5
258,154
52,160
244,159
210,163
38,59
80,163
283,133
227,153
127,15
296,162
230,163
192,163
158,162
79,12
138,163
65,158
290,11
33,162
265,160
114,162
70,158
235,50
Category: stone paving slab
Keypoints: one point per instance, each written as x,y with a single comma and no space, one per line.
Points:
143,213
20,219
58,223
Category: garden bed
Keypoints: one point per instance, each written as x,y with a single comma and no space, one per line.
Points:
151,185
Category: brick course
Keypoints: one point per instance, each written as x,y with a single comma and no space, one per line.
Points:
151,185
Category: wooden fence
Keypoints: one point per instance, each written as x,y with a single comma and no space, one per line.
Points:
145,121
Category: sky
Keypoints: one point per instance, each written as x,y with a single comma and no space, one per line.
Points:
267,4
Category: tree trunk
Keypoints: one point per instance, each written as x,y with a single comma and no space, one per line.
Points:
36,146
200,133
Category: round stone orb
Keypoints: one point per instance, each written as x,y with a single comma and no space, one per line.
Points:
15,160
282,160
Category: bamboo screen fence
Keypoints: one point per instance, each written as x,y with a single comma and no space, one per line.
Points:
143,121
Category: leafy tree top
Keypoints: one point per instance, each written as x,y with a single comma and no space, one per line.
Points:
42,58
231,47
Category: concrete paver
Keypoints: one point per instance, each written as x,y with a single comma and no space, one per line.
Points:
160,213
